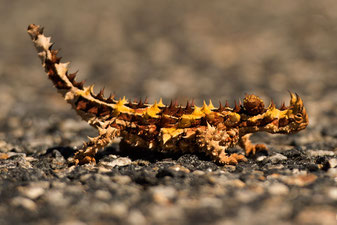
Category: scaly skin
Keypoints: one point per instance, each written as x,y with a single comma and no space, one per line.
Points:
168,128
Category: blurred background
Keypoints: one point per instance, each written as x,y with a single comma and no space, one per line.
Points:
173,49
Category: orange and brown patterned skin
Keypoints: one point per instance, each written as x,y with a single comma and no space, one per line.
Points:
167,128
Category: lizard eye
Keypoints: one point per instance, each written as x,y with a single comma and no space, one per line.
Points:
298,117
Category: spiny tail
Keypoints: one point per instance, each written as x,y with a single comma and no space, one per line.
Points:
88,105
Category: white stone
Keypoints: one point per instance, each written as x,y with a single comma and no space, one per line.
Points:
332,192
277,158
24,202
32,192
316,153
278,189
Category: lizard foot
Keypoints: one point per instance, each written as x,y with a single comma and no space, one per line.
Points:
253,149
81,158
232,159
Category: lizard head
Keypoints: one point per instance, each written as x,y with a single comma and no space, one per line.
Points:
290,119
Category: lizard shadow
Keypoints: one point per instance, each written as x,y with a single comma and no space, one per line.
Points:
125,150
121,150
65,151
136,153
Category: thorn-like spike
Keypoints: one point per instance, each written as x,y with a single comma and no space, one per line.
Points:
173,104
293,98
227,104
71,77
140,103
283,106
205,108
100,95
221,108
192,103
197,111
210,127
165,111
122,101
110,99
55,51
79,85
91,139
204,104
166,138
91,89
51,46
62,68
146,101
155,104
210,105
119,102
188,108
236,107
299,100
272,105
160,103
180,111
188,105
54,57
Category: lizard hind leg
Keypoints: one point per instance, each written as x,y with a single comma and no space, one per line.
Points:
215,142
251,149
232,159
89,149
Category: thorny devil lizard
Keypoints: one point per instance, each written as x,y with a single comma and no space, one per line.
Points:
167,128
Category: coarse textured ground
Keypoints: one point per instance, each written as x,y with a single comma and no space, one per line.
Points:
172,49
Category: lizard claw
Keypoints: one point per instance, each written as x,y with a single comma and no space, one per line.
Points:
233,159
256,148
81,158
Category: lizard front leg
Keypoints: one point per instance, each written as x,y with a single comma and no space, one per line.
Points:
87,153
251,149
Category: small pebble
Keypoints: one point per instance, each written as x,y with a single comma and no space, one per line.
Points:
179,168
72,222
103,195
277,158
278,189
332,192
122,161
163,194
25,203
56,198
198,172
300,180
135,217
32,192
261,158
333,162
317,153
121,179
